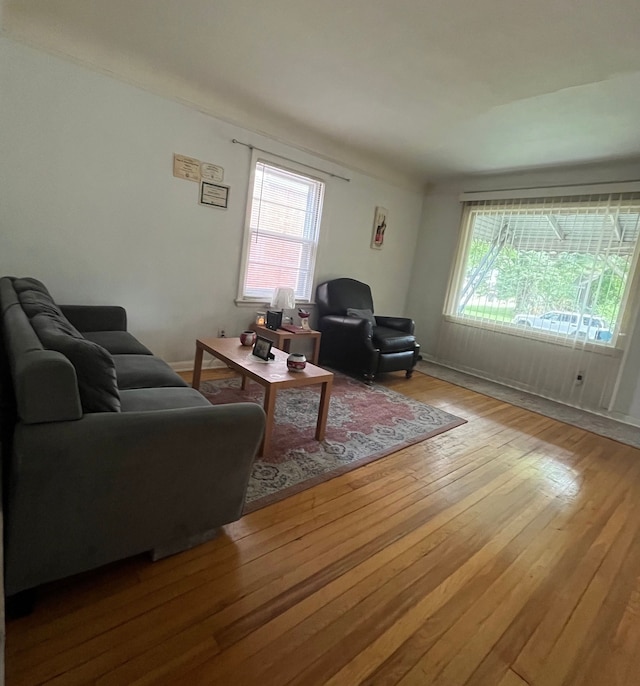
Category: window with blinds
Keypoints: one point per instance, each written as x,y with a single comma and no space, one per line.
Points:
559,267
283,232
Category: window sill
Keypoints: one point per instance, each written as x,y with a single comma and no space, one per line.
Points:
265,305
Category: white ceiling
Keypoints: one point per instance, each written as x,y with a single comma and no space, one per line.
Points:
430,88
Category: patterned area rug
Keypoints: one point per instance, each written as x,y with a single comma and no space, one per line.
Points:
365,423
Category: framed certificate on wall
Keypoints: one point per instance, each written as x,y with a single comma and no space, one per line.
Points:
214,195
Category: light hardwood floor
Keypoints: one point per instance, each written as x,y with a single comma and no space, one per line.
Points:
505,552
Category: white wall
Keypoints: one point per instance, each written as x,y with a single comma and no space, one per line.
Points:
88,204
536,366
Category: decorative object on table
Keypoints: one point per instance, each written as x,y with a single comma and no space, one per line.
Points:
364,424
262,348
304,319
294,328
379,228
274,319
284,298
261,318
296,362
248,337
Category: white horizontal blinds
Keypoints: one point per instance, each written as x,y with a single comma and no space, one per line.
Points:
284,227
531,257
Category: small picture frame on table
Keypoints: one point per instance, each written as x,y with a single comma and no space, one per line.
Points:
262,349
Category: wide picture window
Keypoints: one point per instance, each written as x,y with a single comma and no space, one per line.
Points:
282,233
559,267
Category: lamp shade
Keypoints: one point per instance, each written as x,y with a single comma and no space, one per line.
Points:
283,298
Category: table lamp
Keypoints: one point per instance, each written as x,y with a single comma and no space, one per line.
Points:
283,298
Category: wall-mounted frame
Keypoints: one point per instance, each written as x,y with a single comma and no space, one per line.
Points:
379,228
262,348
214,195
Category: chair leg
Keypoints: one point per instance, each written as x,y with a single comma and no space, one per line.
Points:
368,378
409,373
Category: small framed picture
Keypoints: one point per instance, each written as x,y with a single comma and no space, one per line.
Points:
262,348
214,195
379,227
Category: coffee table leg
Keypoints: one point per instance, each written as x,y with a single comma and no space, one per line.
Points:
323,410
197,368
245,381
269,408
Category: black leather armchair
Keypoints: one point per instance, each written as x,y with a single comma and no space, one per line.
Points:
356,344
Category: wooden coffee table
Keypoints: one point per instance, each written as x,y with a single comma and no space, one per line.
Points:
272,375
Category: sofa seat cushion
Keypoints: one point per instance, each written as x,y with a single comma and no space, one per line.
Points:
117,342
149,399
391,340
144,371
94,366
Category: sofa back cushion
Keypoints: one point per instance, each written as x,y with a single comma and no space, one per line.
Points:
35,299
44,381
28,283
34,302
95,370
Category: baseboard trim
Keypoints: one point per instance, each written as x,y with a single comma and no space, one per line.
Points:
620,428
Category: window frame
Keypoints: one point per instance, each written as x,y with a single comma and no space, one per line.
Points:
294,168
629,301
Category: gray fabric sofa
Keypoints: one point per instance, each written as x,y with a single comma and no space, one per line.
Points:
107,453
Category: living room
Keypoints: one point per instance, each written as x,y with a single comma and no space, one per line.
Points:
90,204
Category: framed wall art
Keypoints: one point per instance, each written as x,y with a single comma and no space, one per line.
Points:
379,228
214,195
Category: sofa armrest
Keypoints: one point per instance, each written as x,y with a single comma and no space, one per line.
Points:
403,324
96,317
112,485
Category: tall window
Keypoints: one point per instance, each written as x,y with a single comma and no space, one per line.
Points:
559,267
283,231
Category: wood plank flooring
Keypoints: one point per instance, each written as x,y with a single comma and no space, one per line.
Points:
505,552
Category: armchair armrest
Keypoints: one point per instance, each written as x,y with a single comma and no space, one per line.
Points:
347,343
96,317
352,328
403,324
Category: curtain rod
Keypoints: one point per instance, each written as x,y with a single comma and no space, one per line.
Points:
541,191
282,157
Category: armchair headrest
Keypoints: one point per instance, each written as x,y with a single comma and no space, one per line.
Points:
334,297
